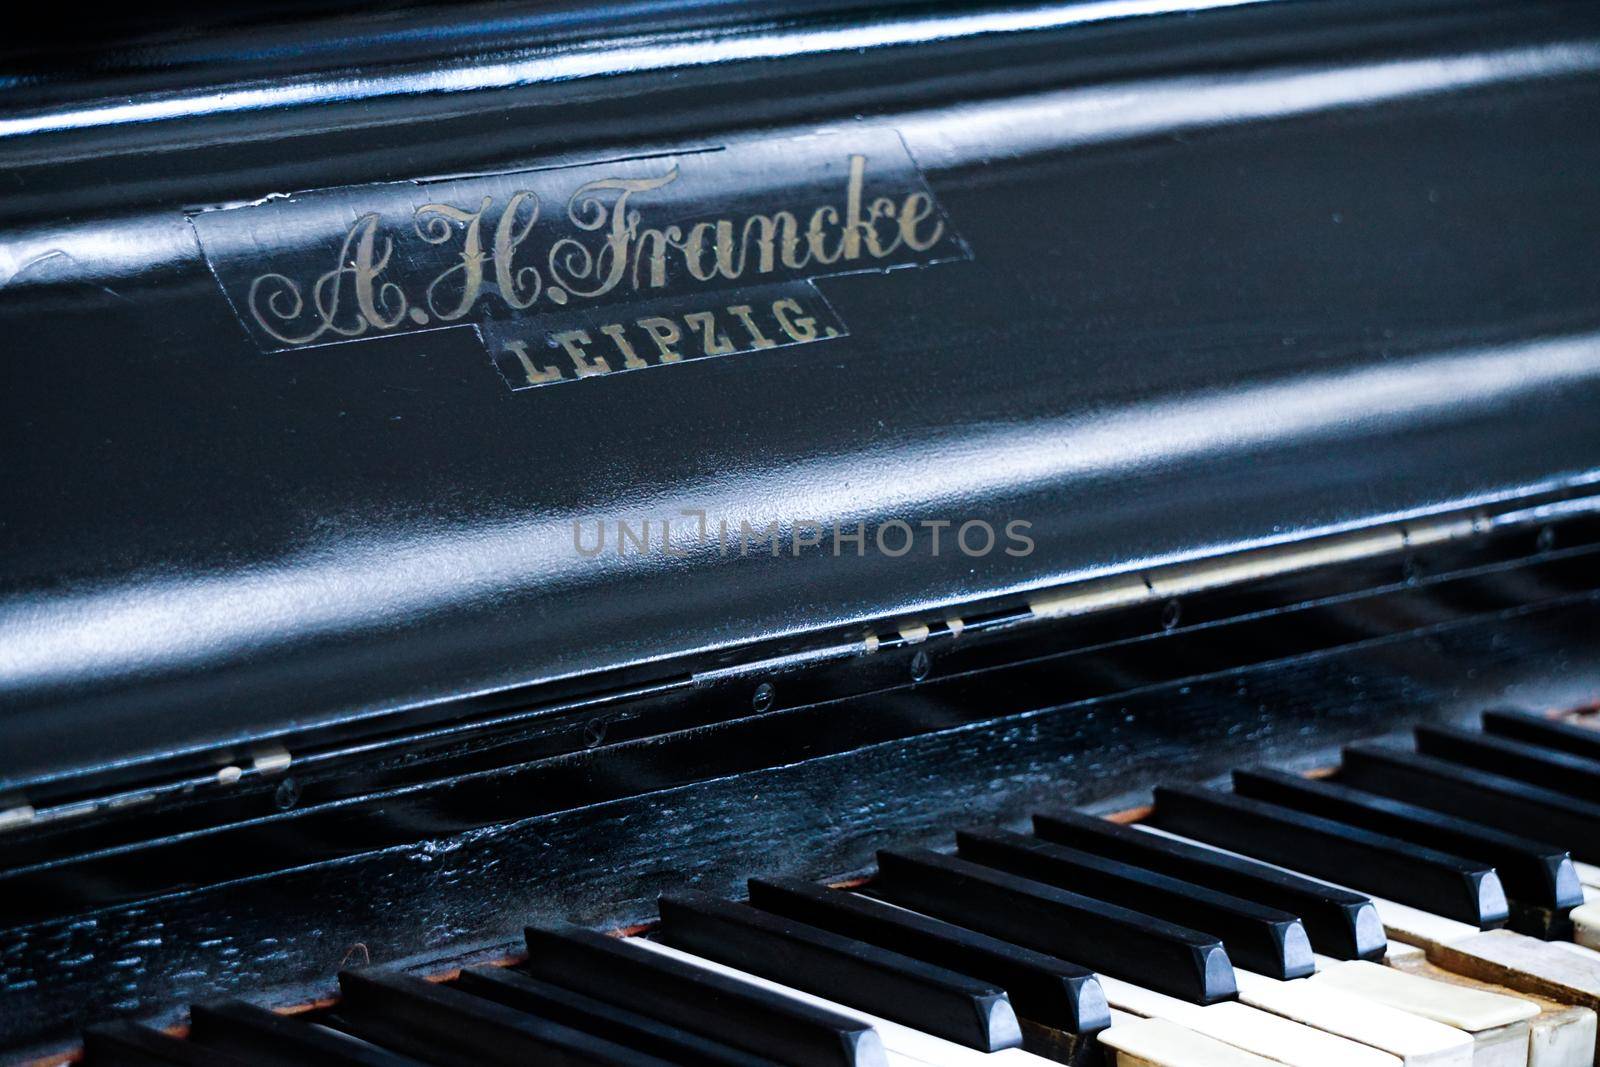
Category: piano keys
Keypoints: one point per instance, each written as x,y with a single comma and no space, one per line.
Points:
1560,1033
992,956
1140,1042
1086,930
1251,1029
1469,792
620,1022
235,1028
1021,947
1266,939
126,1044
1412,1039
427,1021
1435,881
1043,989
745,1014
1553,735
903,1045
1340,923
1539,879
480,466
921,995
1586,925
1493,1019
1564,772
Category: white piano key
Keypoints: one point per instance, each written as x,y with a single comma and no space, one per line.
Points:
906,1046
1588,873
1498,1024
1142,1042
1418,1042
1399,952
1419,928
1568,974
1570,1045
1495,1044
1273,1036
1504,1046
1471,1010
1519,961
1586,925
1576,948
1562,1035
1500,957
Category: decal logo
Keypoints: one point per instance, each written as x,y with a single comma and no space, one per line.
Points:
572,272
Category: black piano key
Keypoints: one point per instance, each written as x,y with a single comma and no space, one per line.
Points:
1538,730
1531,871
1158,955
936,1000
124,1044
559,1004
1043,989
1257,938
1577,776
234,1027
717,1006
430,1022
1492,799
1341,923
1424,878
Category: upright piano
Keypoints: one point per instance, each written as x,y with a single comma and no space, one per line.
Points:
807,532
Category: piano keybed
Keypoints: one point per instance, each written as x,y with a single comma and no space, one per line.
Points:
1422,906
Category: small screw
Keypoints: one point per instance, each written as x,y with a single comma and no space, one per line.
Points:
1410,571
287,795
920,666
1547,539
1171,613
762,700
594,732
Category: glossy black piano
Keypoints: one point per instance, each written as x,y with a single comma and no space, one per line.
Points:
973,533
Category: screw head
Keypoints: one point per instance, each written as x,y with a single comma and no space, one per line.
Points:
762,699
1171,615
921,665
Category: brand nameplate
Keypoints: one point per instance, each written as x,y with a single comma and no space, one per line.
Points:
576,271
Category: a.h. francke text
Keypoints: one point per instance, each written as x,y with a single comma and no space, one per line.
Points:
572,272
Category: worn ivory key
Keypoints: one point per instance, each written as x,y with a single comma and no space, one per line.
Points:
1546,968
1498,1023
1586,925
1588,873
1416,1041
1276,1038
1560,1036
1412,926
1399,952
1466,1009
1139,1042
1556,971
1546,971
1565,974
1495,1043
